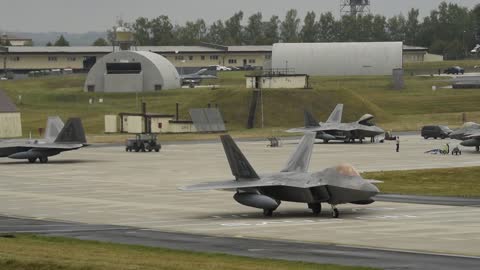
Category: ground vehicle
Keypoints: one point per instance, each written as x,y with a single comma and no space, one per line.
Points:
143,142
220,68
454,70
435,132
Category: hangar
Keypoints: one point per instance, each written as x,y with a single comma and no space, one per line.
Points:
338,58
10,122
132,71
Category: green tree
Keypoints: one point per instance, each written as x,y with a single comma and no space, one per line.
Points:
61,42
162,31
289,27
380,28
192,33
328,28
271,30
396,28
412,27
234,29
216,33
254,31
309,32
49,44
141,31
100,42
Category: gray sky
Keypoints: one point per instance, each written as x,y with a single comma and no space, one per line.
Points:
98,15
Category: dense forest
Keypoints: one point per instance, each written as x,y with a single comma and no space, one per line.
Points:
450,29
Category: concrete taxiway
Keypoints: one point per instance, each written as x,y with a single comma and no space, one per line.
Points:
106,185
307,252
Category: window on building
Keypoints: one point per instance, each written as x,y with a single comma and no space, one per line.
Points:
158,87
15,58
179,57
91,88
268,56
190,58
213,57
232,61
251,61
202,57
52,58
71,58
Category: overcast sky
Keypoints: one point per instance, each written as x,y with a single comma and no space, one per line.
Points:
98,15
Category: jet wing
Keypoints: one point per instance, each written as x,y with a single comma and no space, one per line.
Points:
473,135
227,185
49,146
300,159
304,129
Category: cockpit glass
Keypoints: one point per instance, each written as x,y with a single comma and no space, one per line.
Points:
347,170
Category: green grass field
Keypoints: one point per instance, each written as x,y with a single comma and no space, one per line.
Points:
27,252
457,182
409,109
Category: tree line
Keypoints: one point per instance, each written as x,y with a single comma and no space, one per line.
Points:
450,29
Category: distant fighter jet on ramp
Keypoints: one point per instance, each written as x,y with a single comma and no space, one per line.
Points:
70,137
334,129
469,134
337,185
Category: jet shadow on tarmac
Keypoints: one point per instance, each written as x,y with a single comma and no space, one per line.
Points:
336,185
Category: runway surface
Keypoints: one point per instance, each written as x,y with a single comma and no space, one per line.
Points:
106,185
294,251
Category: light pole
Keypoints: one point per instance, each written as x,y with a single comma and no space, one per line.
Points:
464,47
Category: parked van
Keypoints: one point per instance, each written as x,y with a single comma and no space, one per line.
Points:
435,132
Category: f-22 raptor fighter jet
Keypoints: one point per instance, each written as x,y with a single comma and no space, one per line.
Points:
469,134
337,185
58,138
334,129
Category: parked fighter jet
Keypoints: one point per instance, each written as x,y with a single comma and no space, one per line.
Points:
334,129
196,78
70,137
469,134
337,185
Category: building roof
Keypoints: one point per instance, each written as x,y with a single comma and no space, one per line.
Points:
414,48
6,104
161,49
155,49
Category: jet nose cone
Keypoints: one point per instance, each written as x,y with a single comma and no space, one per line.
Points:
371,188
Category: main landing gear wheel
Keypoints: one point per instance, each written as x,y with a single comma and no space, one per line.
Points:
477,148
43,159
335,212
325,141
316,208
267,212
32,160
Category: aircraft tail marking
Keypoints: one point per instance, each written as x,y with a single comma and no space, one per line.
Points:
336,115
239,165
72,132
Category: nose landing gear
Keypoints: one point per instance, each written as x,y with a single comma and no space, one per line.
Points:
335,212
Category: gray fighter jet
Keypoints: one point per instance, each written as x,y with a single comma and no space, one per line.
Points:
70,137
336,185
469,134
334,129
197,77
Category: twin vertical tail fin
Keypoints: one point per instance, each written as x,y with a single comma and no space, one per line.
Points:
53,128
239,165
336,115
309,119
72,132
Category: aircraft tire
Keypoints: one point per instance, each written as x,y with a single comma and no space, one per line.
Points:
335,213
31,160
43,159
267,212
325,141
316,208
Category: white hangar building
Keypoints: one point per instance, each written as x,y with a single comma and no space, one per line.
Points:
132,71
338,58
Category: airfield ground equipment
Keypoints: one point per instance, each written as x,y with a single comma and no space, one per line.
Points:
143,142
